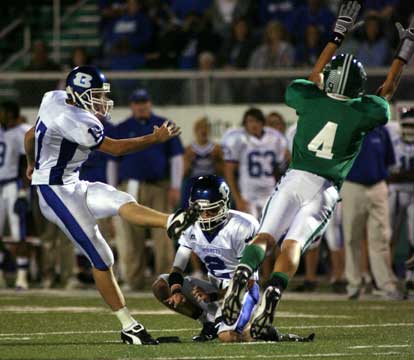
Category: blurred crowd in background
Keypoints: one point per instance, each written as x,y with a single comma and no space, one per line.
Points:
228,34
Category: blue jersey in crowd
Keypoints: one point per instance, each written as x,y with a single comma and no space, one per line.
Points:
374,159
151,164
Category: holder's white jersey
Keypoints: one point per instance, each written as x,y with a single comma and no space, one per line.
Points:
221,253
65,135
11,148
257,158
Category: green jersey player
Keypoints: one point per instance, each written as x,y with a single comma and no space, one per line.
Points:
334,115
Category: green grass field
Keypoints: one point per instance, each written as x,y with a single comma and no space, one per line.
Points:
56,325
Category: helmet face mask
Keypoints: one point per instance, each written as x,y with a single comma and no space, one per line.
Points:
87,87
344,76
211,193
212,215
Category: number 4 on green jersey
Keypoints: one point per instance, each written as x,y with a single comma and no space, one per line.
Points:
323,142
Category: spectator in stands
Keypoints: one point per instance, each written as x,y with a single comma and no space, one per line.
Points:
182,8
365,212
278,10
236,51
314,12
79,57
40,60
276,121
235,54
223,13
307,52
153,176
134,27
373,49
196,36
31,92
383,9
275,52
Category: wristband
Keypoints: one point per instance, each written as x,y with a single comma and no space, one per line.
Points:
337,39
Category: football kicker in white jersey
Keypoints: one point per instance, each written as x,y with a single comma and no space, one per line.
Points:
258,159
66,131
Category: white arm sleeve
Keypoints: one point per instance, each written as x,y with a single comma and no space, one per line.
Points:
112,172
176,171
182,257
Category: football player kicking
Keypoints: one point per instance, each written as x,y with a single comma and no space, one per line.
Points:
334,115
218,237
66,131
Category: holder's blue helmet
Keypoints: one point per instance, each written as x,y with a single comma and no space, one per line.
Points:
212,194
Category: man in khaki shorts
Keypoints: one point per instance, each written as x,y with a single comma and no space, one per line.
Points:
366,214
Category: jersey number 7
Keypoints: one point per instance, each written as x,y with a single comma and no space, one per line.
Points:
323,142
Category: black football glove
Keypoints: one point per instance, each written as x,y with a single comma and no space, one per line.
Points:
181,220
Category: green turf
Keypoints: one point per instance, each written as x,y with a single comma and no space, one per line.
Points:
386,331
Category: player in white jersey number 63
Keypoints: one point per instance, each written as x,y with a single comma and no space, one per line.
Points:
67,129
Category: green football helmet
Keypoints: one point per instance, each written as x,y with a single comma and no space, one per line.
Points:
345,76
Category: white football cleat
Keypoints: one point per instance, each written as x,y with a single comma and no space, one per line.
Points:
137,335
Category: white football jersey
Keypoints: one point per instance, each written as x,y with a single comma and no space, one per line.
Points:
257,158
11,148
404,161
221,254
65,135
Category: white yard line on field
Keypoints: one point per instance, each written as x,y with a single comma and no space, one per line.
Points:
198,328
96,309
379,346
277,356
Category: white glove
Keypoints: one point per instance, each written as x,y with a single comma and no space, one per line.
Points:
406,48
345,23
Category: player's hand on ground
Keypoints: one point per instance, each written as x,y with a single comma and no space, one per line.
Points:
166,131
200,294
175,300
348,13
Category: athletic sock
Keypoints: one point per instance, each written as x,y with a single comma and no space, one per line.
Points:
22,263
279,280
253,256
124,316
